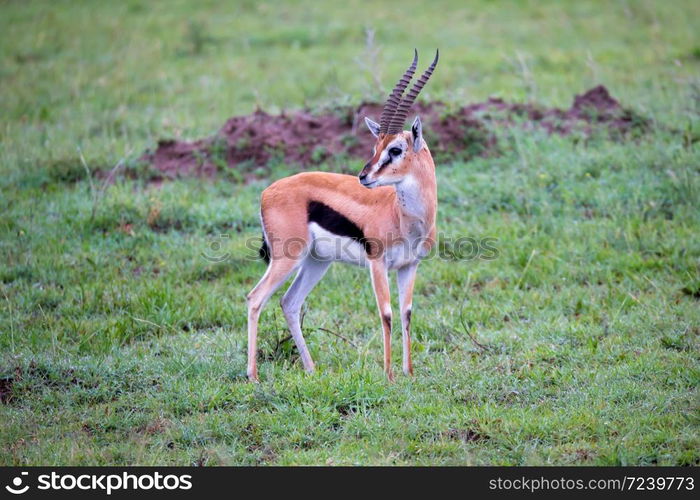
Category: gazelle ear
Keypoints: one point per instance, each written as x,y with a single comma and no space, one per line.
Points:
417,133
372,126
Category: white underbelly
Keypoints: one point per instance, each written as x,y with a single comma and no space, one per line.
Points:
329,246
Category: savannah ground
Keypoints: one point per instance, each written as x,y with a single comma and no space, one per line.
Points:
121,344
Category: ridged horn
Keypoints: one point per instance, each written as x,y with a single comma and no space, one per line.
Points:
394,98
397,121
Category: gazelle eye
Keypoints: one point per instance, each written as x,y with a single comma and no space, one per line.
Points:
395,151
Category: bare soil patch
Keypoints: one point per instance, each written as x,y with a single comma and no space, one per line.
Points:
6,384
465,435
246,143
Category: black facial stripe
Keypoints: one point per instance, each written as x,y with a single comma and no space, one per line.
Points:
336,223
384,165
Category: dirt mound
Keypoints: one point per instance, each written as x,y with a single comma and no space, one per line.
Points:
246,143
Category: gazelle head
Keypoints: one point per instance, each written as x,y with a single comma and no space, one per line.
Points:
396,151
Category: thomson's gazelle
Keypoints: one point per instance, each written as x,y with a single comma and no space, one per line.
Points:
383,221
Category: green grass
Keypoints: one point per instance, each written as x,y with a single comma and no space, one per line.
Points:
127,346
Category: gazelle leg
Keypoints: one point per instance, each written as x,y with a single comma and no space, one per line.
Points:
277,273
405,278
310,273
380,284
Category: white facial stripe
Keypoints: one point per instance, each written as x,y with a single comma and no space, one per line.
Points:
385,156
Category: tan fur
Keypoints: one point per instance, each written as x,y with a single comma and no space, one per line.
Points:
378,212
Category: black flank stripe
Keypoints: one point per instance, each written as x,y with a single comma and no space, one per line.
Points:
336,223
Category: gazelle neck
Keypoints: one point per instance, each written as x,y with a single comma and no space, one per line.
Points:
416,198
